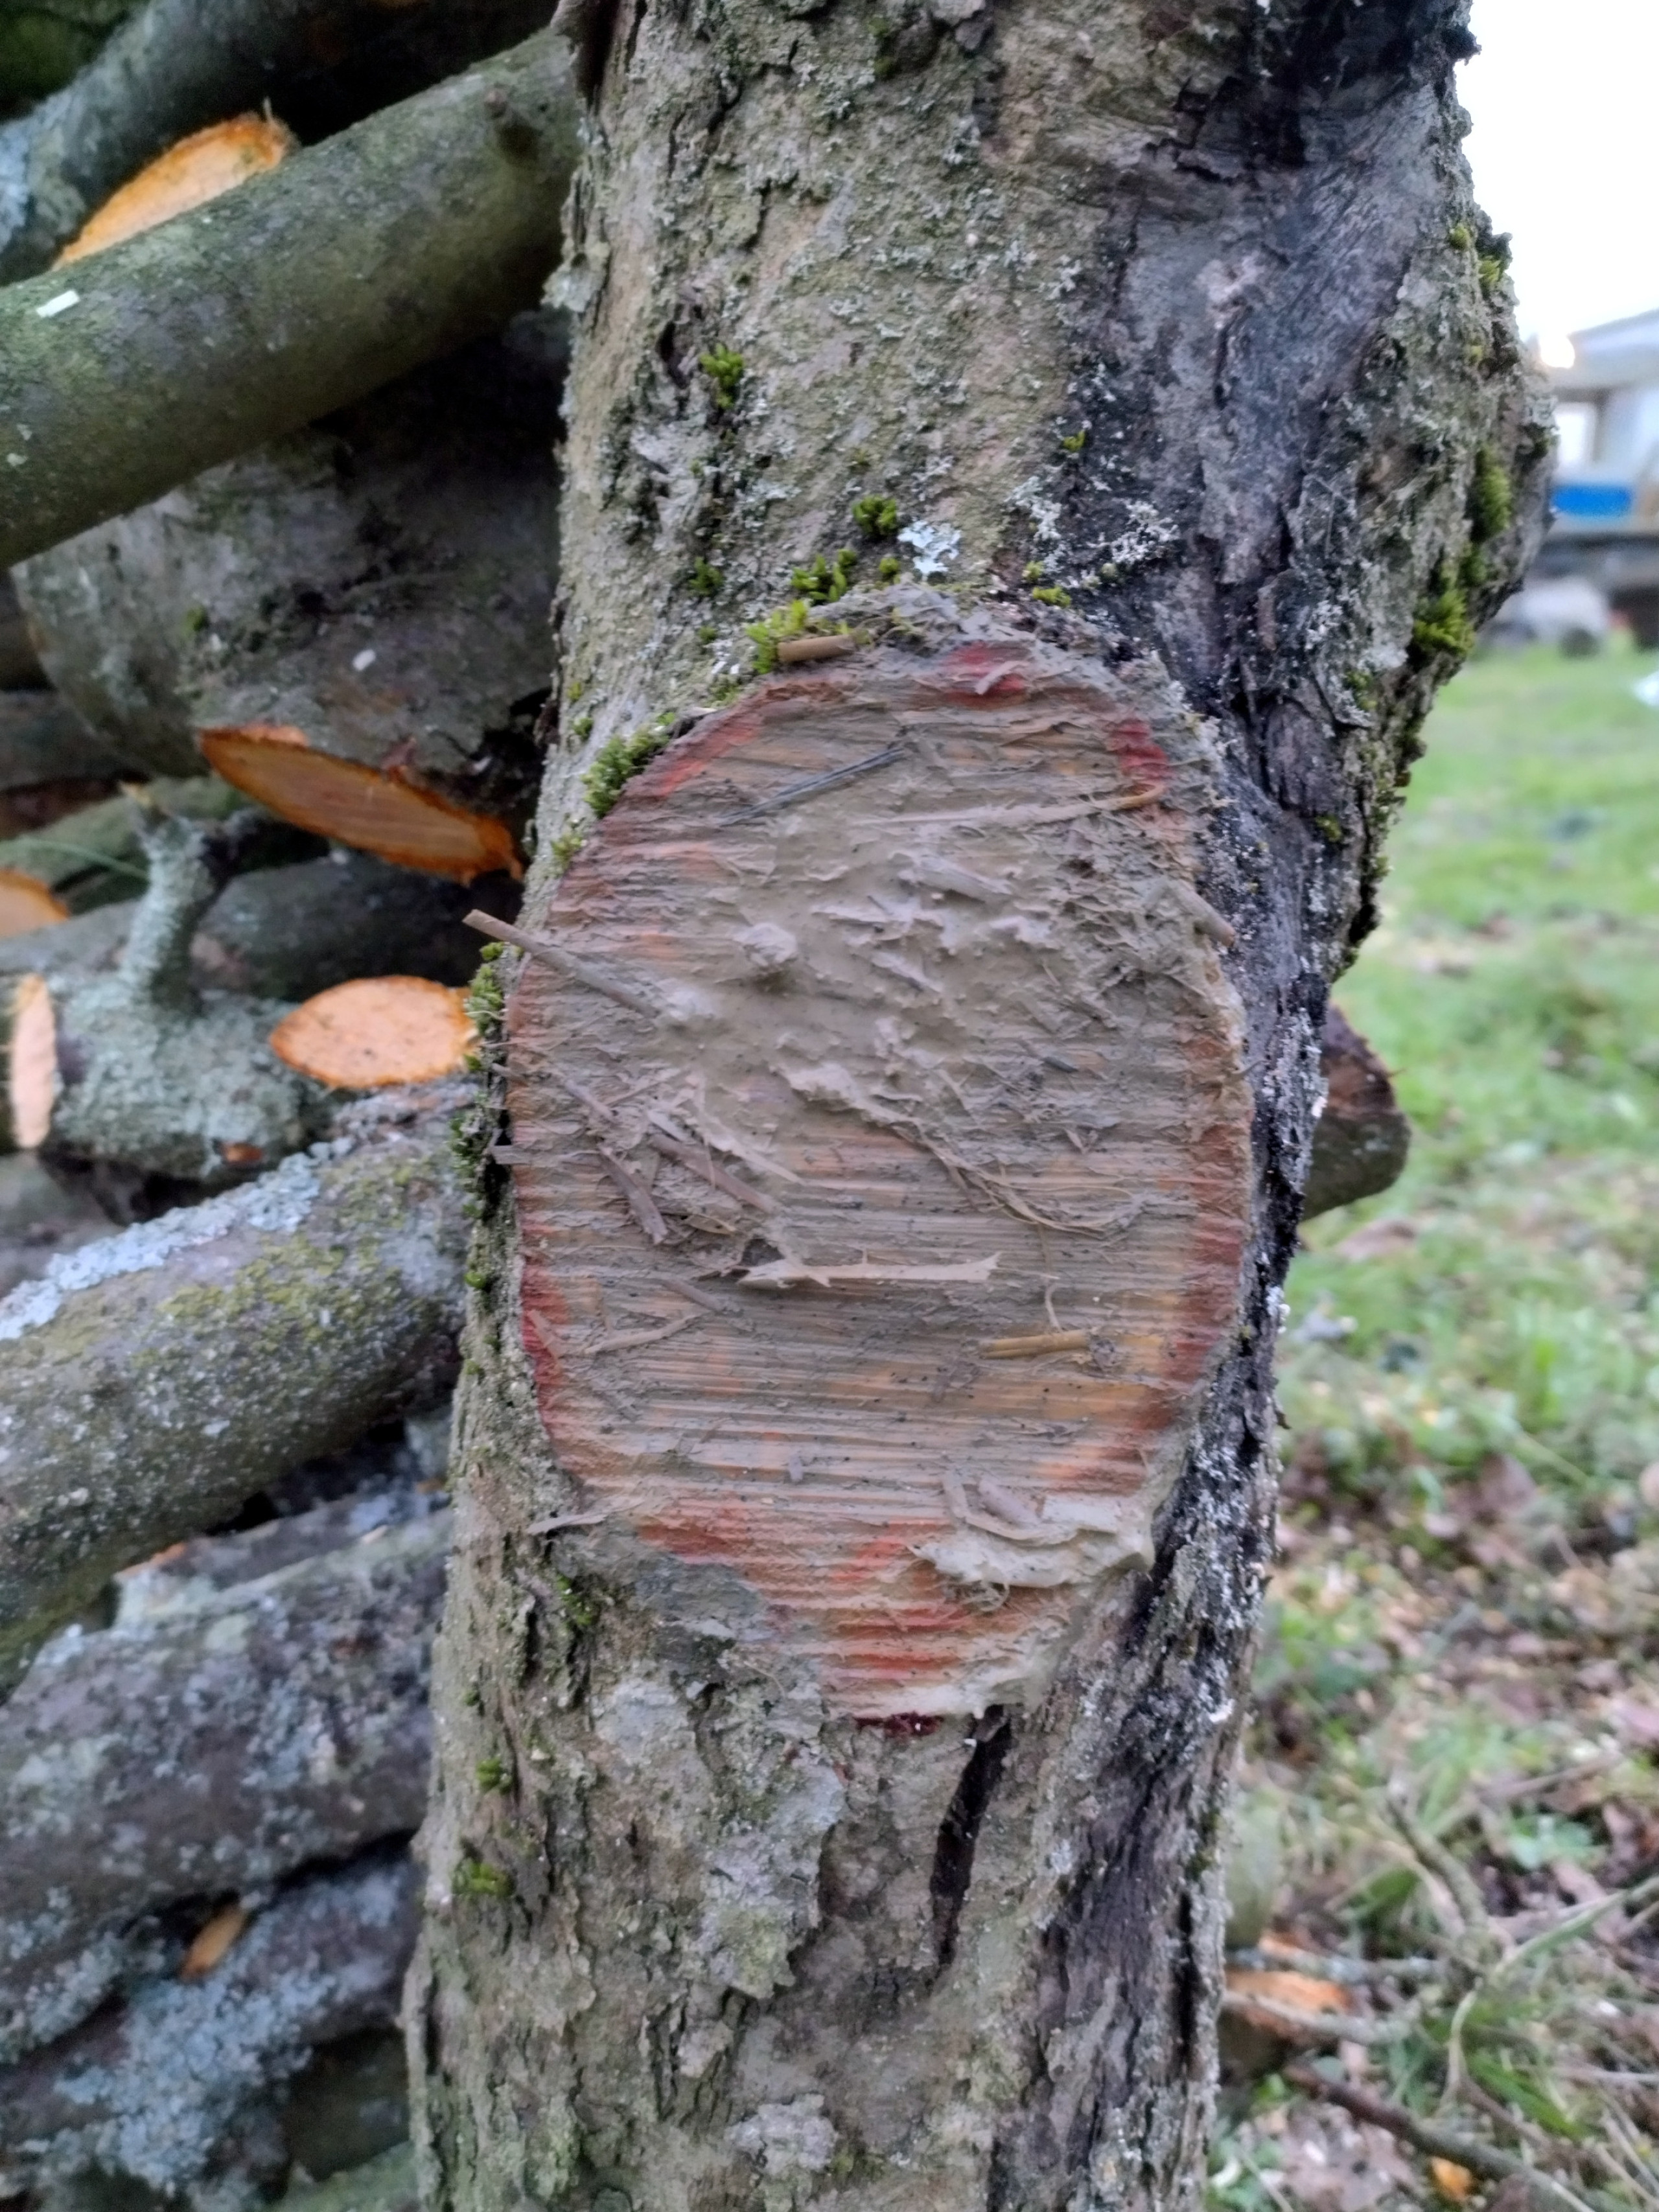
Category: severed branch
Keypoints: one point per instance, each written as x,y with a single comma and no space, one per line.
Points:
295,1701
153,1382
354,261
178,64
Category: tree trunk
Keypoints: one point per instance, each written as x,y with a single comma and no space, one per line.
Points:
866,1455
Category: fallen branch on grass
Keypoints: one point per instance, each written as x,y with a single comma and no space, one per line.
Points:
1428,2137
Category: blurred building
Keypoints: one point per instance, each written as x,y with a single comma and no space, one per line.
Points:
1604,521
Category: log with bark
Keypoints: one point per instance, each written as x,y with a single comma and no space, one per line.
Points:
178,2091
95,854
357,613
352,263
866,1451
155,1381
259,1705
180,65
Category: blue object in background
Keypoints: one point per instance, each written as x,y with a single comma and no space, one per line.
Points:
1593,503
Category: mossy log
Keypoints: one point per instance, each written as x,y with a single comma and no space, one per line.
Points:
180,64
376,585
352,263
180,2090
1362,1137
288,932
214,1740
153,1382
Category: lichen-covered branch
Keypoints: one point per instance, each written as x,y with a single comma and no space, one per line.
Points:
350,263
153,1382
180,2088
180,64
140,1068
215,1740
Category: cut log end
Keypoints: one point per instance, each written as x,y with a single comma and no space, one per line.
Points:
358,806
28,1035
898,1096
25,904
197,170
365,1036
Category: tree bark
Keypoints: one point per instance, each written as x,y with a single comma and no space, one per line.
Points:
181,64
95,855
155,1381
351,263
212,1742
866,1457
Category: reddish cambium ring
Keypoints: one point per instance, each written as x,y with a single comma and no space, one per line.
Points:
834,1277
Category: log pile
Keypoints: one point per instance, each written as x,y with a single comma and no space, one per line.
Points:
232,1226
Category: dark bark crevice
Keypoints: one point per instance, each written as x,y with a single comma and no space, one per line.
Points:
953,1855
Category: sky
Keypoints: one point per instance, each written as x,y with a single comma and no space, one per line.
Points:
1566,105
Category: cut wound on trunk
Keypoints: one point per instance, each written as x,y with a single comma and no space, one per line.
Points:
882,1150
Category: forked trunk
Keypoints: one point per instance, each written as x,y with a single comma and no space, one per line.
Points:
866,1451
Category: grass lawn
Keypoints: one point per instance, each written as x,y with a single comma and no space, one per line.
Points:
1458,1697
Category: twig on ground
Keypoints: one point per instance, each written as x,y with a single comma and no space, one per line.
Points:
1484,2160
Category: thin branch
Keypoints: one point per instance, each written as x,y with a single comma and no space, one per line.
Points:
1429,2137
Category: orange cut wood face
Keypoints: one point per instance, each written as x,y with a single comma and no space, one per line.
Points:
30,1062
882,1152
197,170
378,1031
356,805
26,904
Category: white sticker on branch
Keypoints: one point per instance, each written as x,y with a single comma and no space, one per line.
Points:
349,264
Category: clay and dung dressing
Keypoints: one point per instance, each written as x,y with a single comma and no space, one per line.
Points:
882,1149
